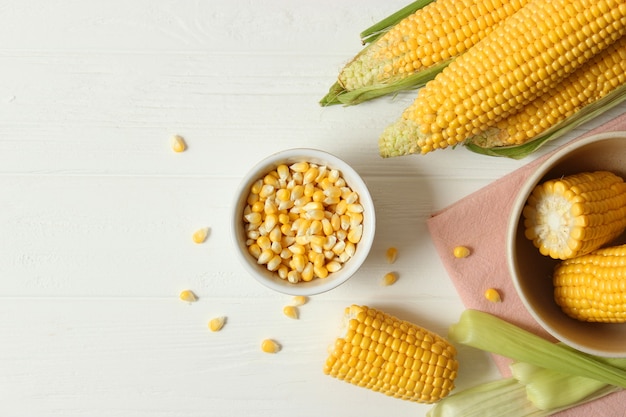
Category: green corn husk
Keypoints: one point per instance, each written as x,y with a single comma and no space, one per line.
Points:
377,29
338,95
489,333
584,115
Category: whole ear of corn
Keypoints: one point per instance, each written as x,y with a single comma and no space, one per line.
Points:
416,48
522,58
394,357
576,214
601,76
592,287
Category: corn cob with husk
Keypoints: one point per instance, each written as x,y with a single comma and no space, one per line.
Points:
410,52
392,356
595,87
528,54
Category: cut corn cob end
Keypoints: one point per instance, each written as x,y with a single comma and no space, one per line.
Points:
391,356
574,215
403,138
592,287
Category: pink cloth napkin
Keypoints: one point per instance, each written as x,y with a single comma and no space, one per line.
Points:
479,222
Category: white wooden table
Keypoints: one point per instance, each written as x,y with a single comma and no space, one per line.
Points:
97,212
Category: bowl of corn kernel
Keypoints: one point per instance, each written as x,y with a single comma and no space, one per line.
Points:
303,221
565,244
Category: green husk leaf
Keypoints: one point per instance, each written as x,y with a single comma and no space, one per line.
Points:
487,332
502,397
338,95
584,115
378,29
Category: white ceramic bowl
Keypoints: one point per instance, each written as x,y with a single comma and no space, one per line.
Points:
317,285
531,272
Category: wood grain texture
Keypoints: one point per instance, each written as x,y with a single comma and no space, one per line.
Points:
97,212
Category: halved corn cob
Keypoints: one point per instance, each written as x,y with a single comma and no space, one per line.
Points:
415,49
395,357
592,287
524,57
577,214
602,75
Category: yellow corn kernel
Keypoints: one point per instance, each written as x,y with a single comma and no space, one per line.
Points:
592,287
461,252
576,214
178,144
295,237
216,323
291,312
391,254
392,356
390,278
200,235
188,296
493,295
509,68
270,346
299,300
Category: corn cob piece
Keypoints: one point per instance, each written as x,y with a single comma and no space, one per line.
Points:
592,287
577,214
524,57
394,357
600,76
415,49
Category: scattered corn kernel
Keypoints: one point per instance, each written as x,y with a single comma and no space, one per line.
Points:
216,323
461,252
299,300
200,235
270,346
188,295
391,254
307,209
291,312
178,143
493,295
390,278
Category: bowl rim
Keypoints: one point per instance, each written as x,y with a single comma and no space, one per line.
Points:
356,181
512,226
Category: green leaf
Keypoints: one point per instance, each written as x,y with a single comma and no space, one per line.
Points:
376,30
584,115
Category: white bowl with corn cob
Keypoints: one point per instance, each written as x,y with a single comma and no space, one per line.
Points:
303,221
565,244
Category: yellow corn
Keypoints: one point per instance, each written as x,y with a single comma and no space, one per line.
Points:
200,235
188,295
283,235
216,323
390,278
299,300
592,287
395,357
493,295
270,346
178,144
461,252
291,312
431,35
576,214
601,75
391,254
524,57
